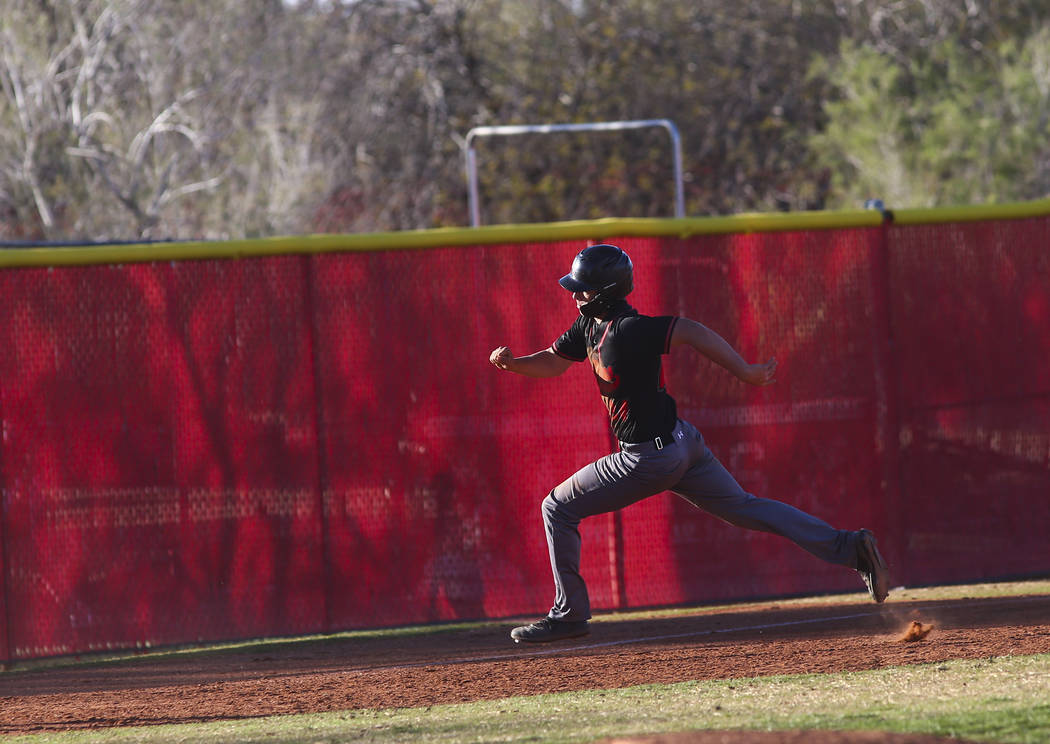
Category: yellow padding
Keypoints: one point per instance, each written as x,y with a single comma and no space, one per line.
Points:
494,234
936,215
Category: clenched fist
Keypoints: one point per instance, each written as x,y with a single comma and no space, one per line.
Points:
501,357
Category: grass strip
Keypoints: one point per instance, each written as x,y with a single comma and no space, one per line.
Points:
1002,699
988,590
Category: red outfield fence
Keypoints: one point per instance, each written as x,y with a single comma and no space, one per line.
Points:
278,445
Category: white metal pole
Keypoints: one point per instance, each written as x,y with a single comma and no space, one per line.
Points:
603,126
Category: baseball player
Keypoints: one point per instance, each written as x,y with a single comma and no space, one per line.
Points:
658,451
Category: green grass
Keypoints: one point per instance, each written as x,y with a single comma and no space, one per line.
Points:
1003,699
254,646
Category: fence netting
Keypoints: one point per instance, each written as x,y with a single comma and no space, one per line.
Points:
208,450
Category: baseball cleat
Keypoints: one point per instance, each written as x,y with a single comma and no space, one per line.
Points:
872,567
548,629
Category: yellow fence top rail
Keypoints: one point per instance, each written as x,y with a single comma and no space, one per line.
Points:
602,229
975,213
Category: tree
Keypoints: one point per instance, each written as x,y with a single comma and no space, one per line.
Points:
97,120
132,119
143,119
953,126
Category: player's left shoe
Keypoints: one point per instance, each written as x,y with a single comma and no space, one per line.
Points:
872,566
548,629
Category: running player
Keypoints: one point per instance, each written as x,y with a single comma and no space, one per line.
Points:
658,451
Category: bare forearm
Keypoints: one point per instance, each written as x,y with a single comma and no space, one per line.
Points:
541,364
718,350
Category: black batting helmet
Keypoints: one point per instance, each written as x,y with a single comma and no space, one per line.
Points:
603,269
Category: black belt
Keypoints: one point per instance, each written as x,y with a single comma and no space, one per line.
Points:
649,445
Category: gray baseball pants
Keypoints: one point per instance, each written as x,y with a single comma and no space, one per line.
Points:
686,467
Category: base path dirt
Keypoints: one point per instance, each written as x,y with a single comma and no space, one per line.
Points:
451,666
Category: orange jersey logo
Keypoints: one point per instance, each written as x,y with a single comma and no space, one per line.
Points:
608,380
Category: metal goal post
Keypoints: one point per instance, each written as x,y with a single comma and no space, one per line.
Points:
602,126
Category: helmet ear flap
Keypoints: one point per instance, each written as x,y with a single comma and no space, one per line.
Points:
628,286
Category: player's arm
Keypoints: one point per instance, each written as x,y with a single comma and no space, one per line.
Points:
541,364
717,349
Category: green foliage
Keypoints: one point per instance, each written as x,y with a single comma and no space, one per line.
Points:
731,76
144,118
954,125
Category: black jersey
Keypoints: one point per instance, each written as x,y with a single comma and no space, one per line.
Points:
624,352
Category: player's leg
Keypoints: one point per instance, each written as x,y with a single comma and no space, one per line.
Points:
709,486
611,483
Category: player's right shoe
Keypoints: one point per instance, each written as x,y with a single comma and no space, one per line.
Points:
872,567
548,629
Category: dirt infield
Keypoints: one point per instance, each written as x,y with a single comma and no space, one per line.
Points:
449,666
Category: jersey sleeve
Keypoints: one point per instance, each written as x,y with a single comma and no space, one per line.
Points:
572,344
672,321
651,334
